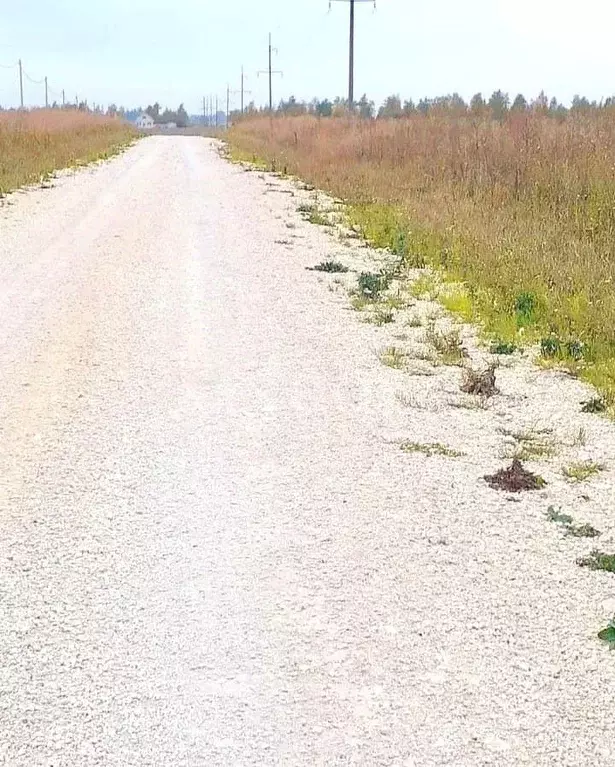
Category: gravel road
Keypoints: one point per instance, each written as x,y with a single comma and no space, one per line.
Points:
211,553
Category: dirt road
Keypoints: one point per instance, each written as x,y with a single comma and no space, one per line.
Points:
210,551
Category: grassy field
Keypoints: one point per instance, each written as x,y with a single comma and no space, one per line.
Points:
33,144
519,213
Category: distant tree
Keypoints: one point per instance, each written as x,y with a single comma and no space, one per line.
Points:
154,111
424,106
409,107
292,106
391,107
519,104
365,107
323,108
450,103
499,104
477,103
557,110
340,106
580,104
183,120
541,102
112,110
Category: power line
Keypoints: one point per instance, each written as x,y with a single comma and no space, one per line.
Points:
271,72
351,46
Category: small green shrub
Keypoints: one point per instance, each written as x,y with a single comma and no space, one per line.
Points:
594,405
598,561
329,266
608,634
526,305
503,347
373,284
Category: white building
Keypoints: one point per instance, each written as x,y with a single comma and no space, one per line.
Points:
144,121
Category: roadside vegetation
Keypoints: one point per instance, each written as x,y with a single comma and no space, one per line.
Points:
516,206
35,144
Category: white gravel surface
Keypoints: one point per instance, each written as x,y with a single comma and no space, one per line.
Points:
212,549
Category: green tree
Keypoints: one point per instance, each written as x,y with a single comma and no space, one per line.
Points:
154,111
477,104
366,107
391,107
183,119
323,108
519,104
498,104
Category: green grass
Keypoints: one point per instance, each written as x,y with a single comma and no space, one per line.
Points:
393,357
608,634
381,315
531,445
582,470
318,218
430,449
597,560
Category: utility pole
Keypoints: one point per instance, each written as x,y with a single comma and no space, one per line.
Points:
271,72
21,83
204,112
351,47
228,103
216,112
63,97
46,94
243,90
242,79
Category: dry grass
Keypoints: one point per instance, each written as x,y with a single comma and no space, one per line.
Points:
520,212
34,144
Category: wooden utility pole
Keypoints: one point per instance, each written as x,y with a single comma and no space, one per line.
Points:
242,79
21,83
63,97
270,72
351,47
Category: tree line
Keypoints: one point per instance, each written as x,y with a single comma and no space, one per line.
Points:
498,105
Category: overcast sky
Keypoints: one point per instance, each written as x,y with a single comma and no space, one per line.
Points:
133,52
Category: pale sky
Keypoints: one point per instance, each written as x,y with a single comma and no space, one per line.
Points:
133,52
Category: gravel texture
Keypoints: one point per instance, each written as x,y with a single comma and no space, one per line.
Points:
213,551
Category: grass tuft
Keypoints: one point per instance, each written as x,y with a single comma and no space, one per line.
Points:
447,344
329,266
430,449
582,470
393,357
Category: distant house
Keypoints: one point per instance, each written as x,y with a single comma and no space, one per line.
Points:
144,121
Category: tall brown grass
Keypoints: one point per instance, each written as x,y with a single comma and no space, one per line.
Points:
33,144
521,211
